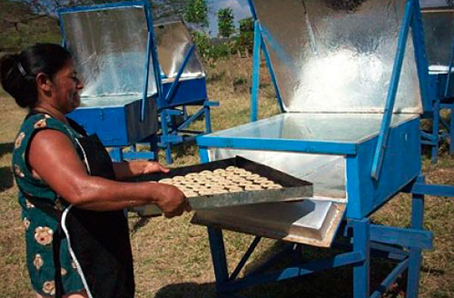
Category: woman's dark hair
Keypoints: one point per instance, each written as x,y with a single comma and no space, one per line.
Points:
18,72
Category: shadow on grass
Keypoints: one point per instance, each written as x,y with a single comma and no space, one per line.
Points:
187,290
6,178
187,148
6,175
6,148
325,284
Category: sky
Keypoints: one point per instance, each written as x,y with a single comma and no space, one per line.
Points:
240,11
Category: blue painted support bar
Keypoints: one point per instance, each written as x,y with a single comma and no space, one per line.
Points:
433,190
428,136
296,271
394,83
402,236
206,105
361,271
62,31
170,139
417,217
390,252
143,104
252,9
176,81
218,255
390,279
419,43
435,130
256,71
191,119
244,259
272,75
203,155
165,133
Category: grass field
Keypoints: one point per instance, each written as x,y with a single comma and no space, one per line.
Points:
172,257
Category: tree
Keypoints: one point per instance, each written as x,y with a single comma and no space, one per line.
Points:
246,38
225,22
197,12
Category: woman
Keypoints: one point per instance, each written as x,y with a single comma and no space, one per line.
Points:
70,192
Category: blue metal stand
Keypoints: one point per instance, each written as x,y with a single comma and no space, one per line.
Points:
119,154
441,130
174,132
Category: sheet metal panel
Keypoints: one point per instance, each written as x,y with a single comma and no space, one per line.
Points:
337,56
173,41
109,48
330,128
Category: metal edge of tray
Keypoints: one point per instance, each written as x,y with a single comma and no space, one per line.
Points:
288,194
293,188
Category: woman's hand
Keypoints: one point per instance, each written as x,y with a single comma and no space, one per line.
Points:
124,170
149,167
172,201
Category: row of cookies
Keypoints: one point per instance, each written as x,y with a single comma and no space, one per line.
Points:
221,182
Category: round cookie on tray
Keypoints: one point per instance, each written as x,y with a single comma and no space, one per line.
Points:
252,177
274,186
252,187
231,168
166,181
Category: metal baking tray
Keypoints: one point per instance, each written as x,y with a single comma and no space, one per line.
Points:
293,189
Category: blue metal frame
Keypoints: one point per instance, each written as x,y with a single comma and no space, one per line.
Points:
367,239
256,71
411,11
259,44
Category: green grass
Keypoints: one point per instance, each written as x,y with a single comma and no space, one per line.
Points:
172,257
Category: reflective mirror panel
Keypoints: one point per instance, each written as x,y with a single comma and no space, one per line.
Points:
345,128
337,55
173,42
109,49
439,34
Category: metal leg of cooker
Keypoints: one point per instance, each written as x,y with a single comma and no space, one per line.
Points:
218,256
414,266
361,271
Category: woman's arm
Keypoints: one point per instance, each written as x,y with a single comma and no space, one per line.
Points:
124,170
52,158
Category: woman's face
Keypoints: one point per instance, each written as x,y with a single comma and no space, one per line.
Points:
66,87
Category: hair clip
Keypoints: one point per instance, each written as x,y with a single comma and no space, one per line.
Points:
21,69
